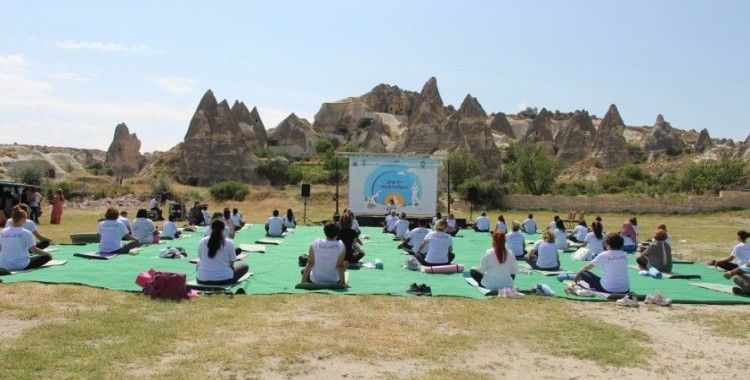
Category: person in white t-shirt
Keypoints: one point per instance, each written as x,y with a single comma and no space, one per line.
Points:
289,220
111,232
123,218
498,267
43,241
275,226
218,258
451,225
594,240
529,225
515,241
355,223
153,204
228,233
143,228
391,221
169,229
482,223
391,207
15,244
325,259
206,215
544,254
561,237
614,265
415,236
553,223
579,233
438,245
236,218
500,225
740,254
402,227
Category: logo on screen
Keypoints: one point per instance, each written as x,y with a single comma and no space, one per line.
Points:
397,183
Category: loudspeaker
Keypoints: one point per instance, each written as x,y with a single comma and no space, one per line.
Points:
473,194
306,190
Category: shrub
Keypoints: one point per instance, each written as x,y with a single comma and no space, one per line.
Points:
69,189
275,170
195,195
161,183
293,175
489,192
463,166
95,168
32,174
713,176
624,178
533,167
229,190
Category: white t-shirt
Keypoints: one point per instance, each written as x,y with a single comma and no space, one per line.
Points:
236,218
552,225
482,223
206,217
327,253
546,254
561,239
391,222
355,224
169,229
626,241
514,242
391,207
124,221
529,226
496,275
110,235
438,245
595,246
500,226
402,228
741,252
451,223
275,226
36,198
28,226
580,232
219,267
434,220
16,242
143,230
153,203
614,266
289,223
416,236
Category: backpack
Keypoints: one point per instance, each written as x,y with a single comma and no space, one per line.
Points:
167,285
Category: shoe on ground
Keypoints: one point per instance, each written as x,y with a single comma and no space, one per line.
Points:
414,289
425,290
511,293
627,301
738,291
658,299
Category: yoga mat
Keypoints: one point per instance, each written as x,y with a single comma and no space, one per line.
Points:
268,241
51,263
443,269
314,286
669,275
50,250
277,271
711,286
603,295
475,284
253,248
94,255
193,284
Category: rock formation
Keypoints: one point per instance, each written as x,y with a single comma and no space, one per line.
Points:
390,99
215,146
123,156
250,124
293,136
575,138
467,128
610,147
663,138
704,141
540,133
423,130
499,124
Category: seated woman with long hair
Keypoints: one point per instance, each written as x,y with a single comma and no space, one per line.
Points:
658,254
544,254
350,238
325,259
498,267
629,237
217,265
16,243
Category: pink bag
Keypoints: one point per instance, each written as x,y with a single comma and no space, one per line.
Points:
168,285
144,278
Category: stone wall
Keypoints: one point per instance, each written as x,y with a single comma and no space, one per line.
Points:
726,200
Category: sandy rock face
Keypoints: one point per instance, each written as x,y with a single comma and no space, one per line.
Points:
499,124
215,146
293,136
704,141
467,128
423,133
250,124
539,133
663,138
123,156
575,138
610,147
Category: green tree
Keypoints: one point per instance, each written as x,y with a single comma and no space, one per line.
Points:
32,174
533,167
714,175
463,166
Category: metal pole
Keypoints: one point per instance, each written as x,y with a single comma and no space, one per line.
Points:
449,184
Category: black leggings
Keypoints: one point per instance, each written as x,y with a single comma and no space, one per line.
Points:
43,244
239,269
532,264
422,260
125,249
594,282
478,276
35,261
727,265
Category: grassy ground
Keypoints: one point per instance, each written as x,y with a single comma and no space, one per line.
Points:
71,331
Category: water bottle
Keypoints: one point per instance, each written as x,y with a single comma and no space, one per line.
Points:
378,263
653,272
566,276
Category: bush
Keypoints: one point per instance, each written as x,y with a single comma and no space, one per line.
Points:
69,189
95,168
625,178
463,166
533,168
713,176
32,174
490,193
275,170
293,175
161,183
229,190
195,195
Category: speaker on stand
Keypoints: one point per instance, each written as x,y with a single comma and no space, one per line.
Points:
305,197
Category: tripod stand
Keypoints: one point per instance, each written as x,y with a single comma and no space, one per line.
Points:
304,212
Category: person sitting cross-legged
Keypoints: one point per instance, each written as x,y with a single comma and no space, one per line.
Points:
325,259
16,244
482,223
111,232
275,225
438,245
402,227
350,237
658,254
614,265
498,267
415,236
543,256
217,265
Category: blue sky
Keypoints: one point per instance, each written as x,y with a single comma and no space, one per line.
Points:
70,71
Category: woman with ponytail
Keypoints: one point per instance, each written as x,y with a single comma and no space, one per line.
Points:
498,267
217,256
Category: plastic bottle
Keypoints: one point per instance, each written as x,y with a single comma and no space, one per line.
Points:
653,272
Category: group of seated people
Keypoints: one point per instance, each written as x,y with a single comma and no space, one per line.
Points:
276,226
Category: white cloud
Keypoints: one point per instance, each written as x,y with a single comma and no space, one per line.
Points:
67,77
12,63
102,46
175,85
14,81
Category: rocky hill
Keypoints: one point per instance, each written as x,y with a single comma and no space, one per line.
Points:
58,161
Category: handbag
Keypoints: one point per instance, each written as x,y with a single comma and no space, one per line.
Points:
167,285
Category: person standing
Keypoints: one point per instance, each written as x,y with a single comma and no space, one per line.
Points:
58,204
35,200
